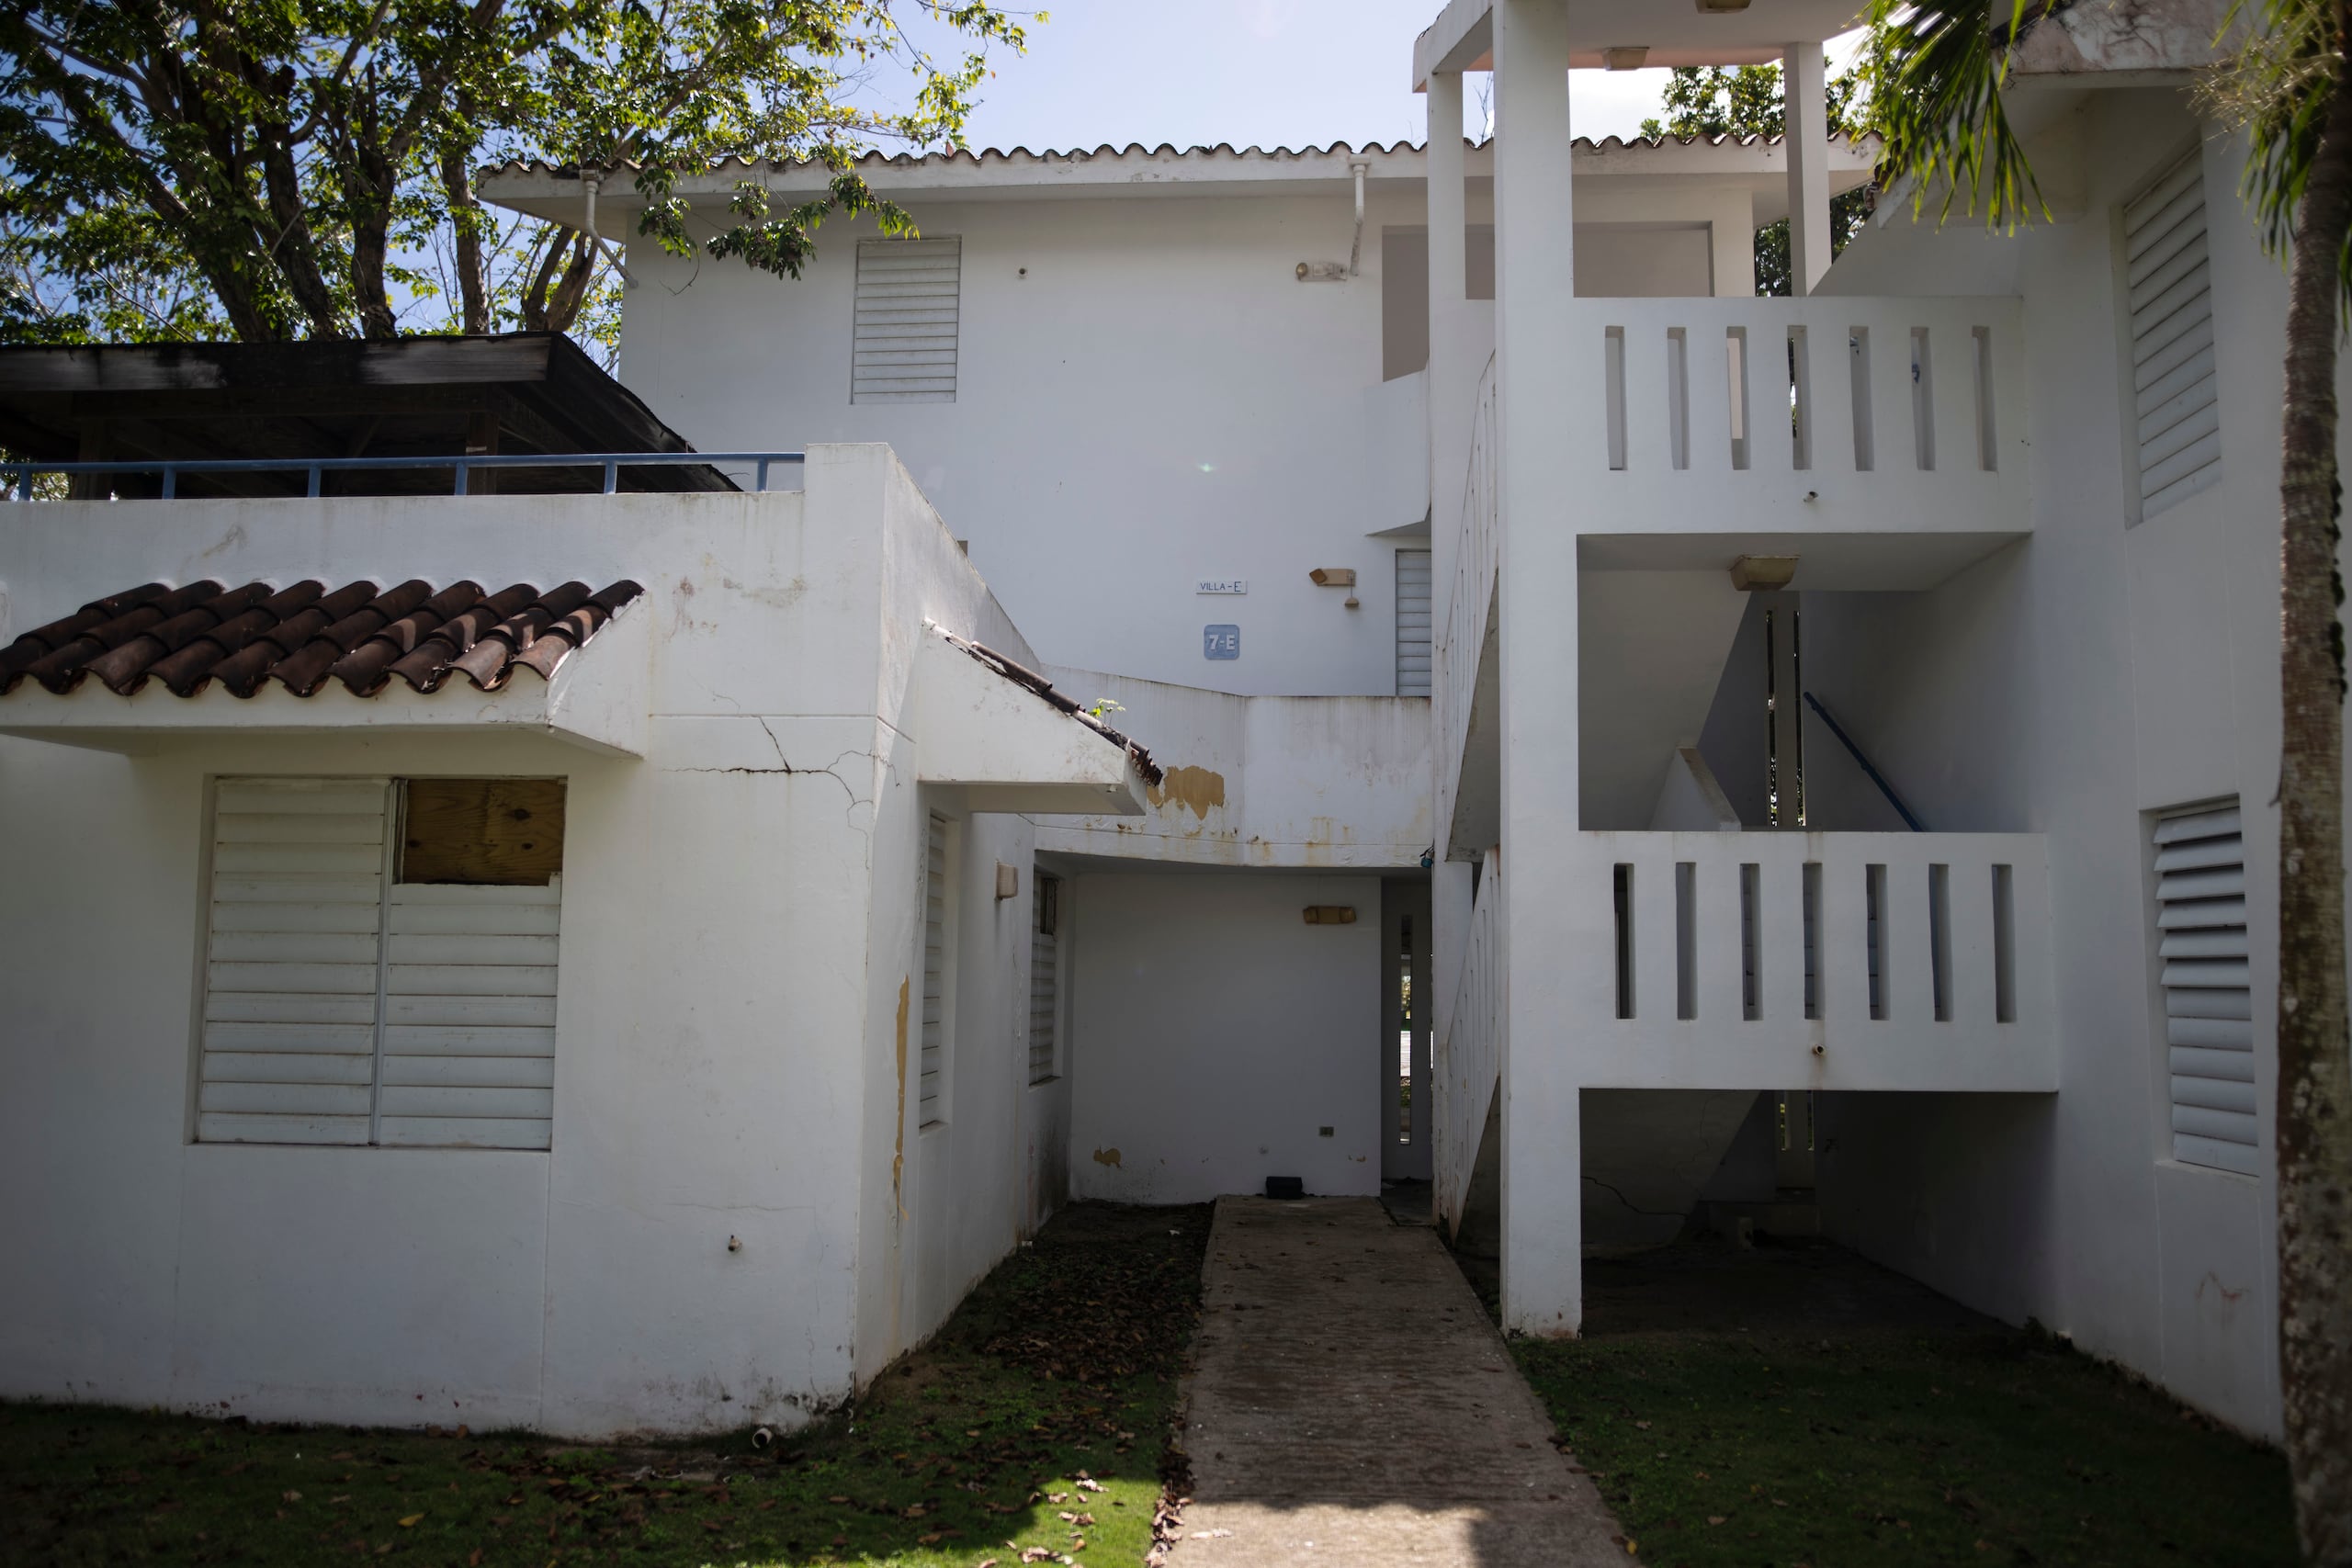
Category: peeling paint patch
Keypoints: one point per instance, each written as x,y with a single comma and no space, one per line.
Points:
1107,1157
1198,788
898,1156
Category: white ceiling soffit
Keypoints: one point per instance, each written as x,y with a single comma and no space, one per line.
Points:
1676,32
1882,563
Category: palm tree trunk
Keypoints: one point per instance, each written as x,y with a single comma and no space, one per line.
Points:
2315,1124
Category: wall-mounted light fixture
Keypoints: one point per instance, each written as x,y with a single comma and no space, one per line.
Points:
1721,7
1331,914
1627,57
1008,881
1335,576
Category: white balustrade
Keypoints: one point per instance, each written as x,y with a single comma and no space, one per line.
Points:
1820,414
1467,1053
1789,960
1470,600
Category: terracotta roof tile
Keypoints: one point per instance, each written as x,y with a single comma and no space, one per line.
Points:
303,634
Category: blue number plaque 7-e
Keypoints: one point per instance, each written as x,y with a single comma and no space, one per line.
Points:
1220,642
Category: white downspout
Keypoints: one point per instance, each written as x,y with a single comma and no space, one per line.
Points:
592,181
1355,251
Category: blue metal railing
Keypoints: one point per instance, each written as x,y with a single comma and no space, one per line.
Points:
1863,762
611,462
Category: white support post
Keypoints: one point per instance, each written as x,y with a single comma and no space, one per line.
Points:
1805,85
1540,367
1454,383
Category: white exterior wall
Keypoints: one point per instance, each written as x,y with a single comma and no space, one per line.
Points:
724,1061
1261,782
1147,397
2066,686
1217,1033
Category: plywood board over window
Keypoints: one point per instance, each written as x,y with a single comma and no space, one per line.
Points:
484,832
381,962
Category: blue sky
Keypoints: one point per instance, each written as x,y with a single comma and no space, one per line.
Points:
1272,72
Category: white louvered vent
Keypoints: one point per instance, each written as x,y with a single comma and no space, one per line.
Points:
2209,1028
1045,976
291,976
2172,338
342,1008
934,974
903,347
1412,622
470,1017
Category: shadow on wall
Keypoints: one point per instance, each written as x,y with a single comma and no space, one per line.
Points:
1953,1189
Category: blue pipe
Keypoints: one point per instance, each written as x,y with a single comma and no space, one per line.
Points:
1863,762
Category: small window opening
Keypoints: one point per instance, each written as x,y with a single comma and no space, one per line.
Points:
1751,957
1623,901
1810,891
1874,935
1940,939
1686,940
2005,946
1857,347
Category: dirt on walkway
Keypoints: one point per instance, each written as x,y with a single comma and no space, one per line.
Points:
1349,1402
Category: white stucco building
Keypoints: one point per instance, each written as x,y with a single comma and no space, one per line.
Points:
1430,515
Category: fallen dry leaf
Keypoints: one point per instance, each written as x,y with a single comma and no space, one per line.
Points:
410,1522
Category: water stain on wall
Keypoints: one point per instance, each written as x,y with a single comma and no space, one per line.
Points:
898,1157
1198,788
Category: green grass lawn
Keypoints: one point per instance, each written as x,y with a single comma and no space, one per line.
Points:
1725,1449
1036,1421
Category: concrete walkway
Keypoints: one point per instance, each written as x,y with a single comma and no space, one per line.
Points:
1349,1402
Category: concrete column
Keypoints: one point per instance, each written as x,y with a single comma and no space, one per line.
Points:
1731,227
1538,356
1453,382
1805,82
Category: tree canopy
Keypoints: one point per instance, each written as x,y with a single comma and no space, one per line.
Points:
1741,101
274,169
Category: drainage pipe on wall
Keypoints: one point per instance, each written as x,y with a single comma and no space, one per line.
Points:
1355,249
591,182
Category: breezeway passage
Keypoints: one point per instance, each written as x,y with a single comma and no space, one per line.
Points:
1349,1402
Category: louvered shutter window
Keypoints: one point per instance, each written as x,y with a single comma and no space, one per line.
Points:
2171,299
1412,622
1045,976
934,974
2201,949
909,295
293,961
342,1007
470,1017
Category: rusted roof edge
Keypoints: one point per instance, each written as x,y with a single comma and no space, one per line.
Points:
1021,675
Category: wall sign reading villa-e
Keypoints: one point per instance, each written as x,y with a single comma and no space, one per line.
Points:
1220,642
1222,585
